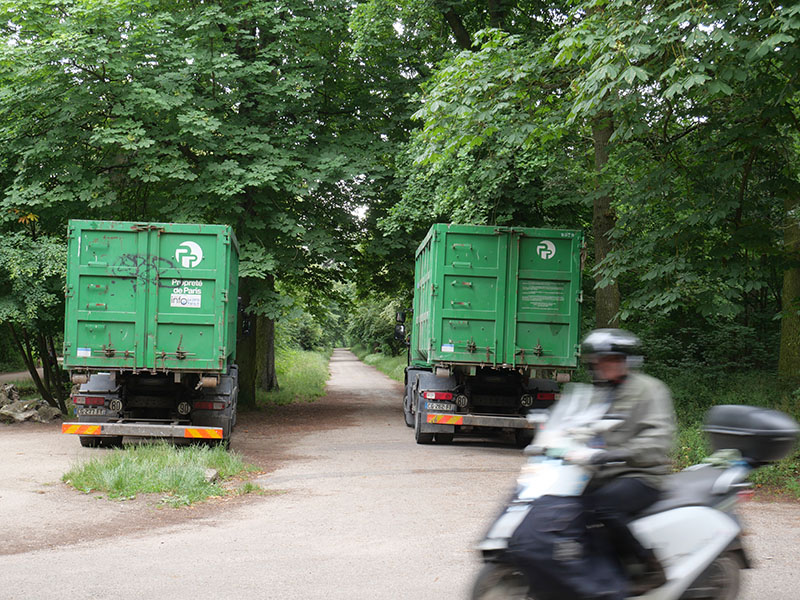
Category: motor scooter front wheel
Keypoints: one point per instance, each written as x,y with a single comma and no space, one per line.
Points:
498,581
724,577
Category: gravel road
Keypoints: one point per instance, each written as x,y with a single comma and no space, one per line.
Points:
354,510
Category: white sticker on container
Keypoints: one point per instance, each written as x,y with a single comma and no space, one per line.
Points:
84,353
448,347
187,300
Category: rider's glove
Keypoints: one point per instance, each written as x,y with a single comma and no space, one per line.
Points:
584,456
611,456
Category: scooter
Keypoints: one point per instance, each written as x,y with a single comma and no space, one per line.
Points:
693,528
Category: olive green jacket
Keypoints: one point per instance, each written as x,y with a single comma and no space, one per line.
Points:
647,431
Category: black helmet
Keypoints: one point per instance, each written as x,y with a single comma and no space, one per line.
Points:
610,342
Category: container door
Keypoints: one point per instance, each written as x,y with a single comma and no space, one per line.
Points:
188,298
471,288
105,309
543,294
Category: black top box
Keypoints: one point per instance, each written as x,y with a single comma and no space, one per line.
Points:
760,434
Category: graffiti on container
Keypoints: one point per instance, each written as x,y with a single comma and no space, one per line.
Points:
144,269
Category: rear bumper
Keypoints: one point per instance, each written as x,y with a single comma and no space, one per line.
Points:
447,422
143,429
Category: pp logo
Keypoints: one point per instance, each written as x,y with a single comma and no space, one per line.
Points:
189,254
546,250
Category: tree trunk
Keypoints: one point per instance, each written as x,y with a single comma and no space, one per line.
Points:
267,376
789,357
607,298
246,350
23,345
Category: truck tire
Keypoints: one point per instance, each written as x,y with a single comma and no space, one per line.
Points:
90,441
419,436
523,437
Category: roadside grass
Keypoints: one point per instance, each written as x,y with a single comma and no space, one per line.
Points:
177,472
302,376
393,366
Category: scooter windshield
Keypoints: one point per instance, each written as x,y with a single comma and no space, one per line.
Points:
574,410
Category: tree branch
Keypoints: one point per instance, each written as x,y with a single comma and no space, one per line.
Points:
460,32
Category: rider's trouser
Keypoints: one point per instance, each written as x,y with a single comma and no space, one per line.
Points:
614,503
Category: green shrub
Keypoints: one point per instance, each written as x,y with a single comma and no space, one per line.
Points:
372,326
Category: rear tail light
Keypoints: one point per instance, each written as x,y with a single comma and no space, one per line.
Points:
204,405
546,396
437,395
89,400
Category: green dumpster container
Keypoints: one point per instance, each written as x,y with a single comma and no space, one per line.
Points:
150,296
497,296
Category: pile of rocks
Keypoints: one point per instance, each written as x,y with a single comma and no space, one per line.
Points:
14,410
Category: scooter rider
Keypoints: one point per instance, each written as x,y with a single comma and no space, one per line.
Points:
633,457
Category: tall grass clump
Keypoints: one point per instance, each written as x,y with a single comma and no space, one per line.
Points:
301,375
179,472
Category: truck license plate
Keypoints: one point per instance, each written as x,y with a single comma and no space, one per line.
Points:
91,412
441,406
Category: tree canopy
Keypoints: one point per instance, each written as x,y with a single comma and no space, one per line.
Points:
332,134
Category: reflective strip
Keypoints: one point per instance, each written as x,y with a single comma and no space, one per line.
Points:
446,419
212,433
81,429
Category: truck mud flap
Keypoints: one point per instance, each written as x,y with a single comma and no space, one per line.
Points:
143,430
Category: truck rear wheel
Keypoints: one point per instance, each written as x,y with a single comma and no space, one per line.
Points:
90,441
522,437
419,435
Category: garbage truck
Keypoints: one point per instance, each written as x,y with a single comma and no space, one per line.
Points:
494,330
150,330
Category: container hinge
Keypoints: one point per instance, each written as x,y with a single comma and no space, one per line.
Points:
433,289
488,354
538,350
471,347
141,227
521,354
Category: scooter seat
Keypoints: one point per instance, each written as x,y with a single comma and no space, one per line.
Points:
691,487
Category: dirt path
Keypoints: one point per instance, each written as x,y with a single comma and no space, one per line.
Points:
356,510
